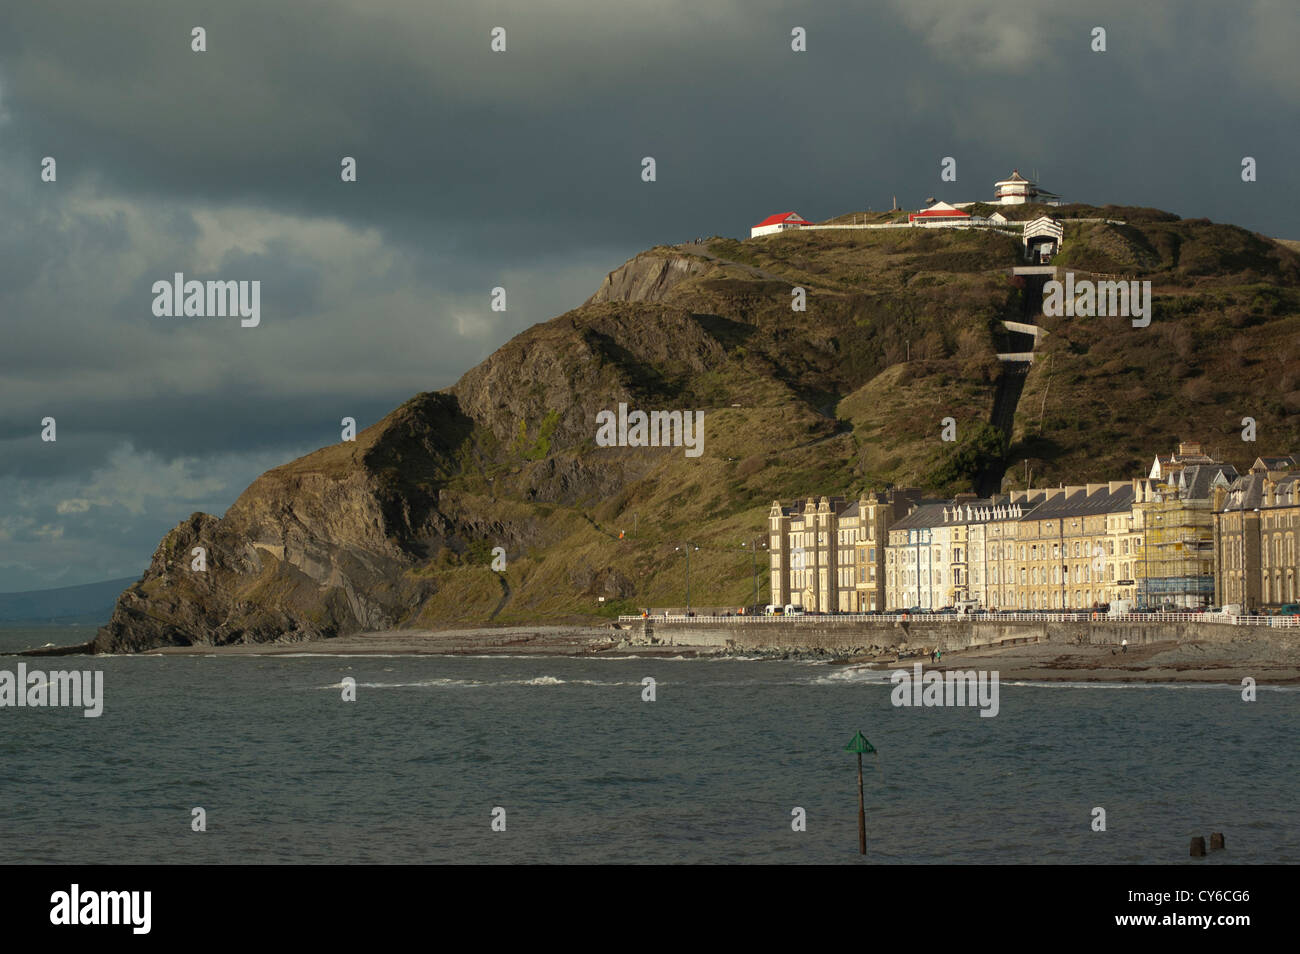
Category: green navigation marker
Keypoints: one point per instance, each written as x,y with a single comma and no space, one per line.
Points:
860,744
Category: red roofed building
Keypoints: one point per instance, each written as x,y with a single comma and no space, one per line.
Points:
778,223
941,213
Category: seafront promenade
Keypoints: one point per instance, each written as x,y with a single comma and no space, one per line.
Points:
849,633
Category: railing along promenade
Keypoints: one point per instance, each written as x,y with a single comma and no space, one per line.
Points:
1011,617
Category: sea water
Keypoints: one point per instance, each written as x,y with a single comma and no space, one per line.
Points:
586,771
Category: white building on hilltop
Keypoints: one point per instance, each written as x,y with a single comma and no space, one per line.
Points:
1042,239
778,223
1018,190
941,213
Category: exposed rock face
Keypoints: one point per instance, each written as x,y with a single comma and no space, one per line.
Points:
336,543
607,582
317,548
399,527
648,277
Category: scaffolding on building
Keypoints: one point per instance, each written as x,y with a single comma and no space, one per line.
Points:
1175,564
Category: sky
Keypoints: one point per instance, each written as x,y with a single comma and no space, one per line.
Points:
519,169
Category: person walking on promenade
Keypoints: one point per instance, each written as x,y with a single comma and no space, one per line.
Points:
1123,646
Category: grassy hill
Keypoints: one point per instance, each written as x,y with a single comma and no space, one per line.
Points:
901,330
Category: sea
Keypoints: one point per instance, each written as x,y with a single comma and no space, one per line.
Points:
438,754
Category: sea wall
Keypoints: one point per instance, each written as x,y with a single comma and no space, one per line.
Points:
828,634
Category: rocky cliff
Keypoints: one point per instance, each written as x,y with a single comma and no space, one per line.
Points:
900,330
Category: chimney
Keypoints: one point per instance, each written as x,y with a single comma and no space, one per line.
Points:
1093,488
1117,485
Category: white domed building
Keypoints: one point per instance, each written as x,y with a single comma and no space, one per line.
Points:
1017,190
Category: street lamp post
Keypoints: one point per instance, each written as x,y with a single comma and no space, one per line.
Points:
753,552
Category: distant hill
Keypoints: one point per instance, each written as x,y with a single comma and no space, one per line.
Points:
902,330
88,603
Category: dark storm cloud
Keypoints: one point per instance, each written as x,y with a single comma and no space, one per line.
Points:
518,169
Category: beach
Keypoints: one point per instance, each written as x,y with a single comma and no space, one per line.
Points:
1267,662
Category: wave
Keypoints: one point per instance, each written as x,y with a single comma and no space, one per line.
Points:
420,684
444,683
1233,686
854,675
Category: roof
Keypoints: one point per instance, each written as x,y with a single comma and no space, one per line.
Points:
1015,177
791,218
926,515
835,502
1196,481
1277,463
1285,488
1245,493
1044,224
940,209
1083,504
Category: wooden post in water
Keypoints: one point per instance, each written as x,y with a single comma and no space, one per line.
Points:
859,744
862,813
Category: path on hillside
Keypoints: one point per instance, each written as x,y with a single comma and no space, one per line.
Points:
1011,381
505,596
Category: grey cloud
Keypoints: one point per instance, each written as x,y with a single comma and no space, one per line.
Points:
522,169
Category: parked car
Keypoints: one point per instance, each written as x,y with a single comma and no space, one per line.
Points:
1289,609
